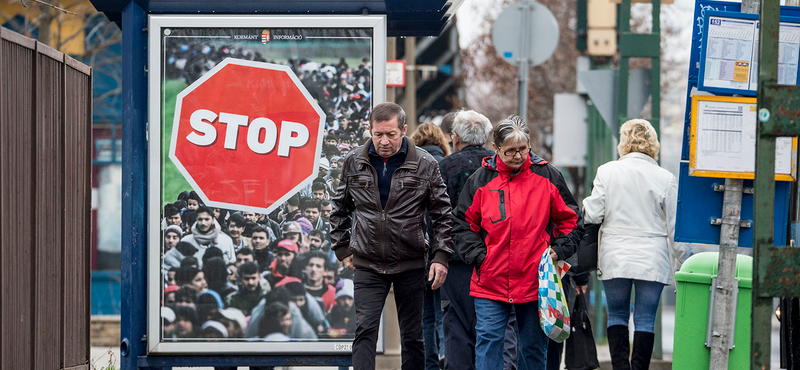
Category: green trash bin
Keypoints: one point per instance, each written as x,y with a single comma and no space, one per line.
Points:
693,310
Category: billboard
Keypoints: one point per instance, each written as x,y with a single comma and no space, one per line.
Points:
249,118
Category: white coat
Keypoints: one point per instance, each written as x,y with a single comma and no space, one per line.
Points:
635,200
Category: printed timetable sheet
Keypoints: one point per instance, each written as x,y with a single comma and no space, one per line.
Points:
731,60
729,53
725,138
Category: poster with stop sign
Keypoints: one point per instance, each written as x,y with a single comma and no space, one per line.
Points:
241,124
250,117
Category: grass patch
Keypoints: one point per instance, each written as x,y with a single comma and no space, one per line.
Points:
172,181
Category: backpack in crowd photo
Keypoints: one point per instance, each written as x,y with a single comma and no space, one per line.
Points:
553,310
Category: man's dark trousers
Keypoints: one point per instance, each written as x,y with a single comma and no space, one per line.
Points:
458,319
371,289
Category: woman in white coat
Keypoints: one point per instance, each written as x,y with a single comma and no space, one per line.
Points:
634,199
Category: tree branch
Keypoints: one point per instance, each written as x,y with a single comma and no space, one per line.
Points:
50,5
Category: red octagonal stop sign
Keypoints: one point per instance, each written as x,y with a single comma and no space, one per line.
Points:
247,135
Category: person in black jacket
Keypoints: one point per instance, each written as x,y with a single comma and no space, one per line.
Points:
431,138
377,231
470,132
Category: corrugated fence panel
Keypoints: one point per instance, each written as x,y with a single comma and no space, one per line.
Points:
77,197
45,206
49,221
16,163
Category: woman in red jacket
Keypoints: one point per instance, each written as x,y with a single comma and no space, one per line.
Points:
508,213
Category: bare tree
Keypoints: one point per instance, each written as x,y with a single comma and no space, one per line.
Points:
491,83
76,28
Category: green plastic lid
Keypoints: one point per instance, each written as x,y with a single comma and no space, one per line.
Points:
702,267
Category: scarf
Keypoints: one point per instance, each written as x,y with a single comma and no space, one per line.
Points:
208,239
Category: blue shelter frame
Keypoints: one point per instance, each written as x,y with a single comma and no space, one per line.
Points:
405,18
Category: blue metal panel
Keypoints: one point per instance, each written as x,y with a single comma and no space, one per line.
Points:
404,17
106,294
698,203
134,186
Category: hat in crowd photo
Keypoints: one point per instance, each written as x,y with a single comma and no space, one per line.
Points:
305,225
203,298
290,227
171,288
168,314
324,164
216,325
235,314
344,288
288,245
295,288
288,280
174,229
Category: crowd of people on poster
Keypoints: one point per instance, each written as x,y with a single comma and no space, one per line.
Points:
237,274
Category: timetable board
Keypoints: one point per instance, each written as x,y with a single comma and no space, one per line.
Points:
729,53
723,140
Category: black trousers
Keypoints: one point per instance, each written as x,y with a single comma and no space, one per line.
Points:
458,318
371,289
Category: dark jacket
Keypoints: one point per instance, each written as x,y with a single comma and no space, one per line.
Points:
435,151
390,240
457,168
506,219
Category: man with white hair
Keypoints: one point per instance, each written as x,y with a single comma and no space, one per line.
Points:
470,132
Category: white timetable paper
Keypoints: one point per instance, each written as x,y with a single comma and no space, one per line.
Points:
726,139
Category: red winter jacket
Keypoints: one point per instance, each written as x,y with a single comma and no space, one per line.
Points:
506,219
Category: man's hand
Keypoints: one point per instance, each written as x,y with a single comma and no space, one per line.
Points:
581,289
348,262
553,255
437,274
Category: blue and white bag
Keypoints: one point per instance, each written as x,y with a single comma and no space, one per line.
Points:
553,310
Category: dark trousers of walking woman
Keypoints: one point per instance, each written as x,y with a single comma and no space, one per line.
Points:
371,289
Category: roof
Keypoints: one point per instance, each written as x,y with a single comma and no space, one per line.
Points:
404,17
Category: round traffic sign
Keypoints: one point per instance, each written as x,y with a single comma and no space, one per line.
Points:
247,135
525,29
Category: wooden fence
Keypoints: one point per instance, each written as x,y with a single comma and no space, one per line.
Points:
45,206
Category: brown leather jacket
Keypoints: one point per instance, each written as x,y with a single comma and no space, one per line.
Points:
391,240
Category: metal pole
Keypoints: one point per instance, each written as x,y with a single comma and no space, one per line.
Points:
726,284
764,184
411,84
522,60
391,53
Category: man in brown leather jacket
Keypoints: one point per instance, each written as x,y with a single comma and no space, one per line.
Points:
378,226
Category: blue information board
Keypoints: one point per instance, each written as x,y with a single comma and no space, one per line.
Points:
698,203
729,53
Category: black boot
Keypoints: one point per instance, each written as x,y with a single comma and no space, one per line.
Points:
642,350
620,347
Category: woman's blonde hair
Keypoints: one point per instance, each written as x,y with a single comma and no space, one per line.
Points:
430,134
638,135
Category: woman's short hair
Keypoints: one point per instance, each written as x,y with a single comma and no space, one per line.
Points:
472,127
430,134
512,128
638,135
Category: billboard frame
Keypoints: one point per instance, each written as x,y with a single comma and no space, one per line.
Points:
155,345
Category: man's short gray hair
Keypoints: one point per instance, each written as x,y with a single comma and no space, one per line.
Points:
472,127
511,128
